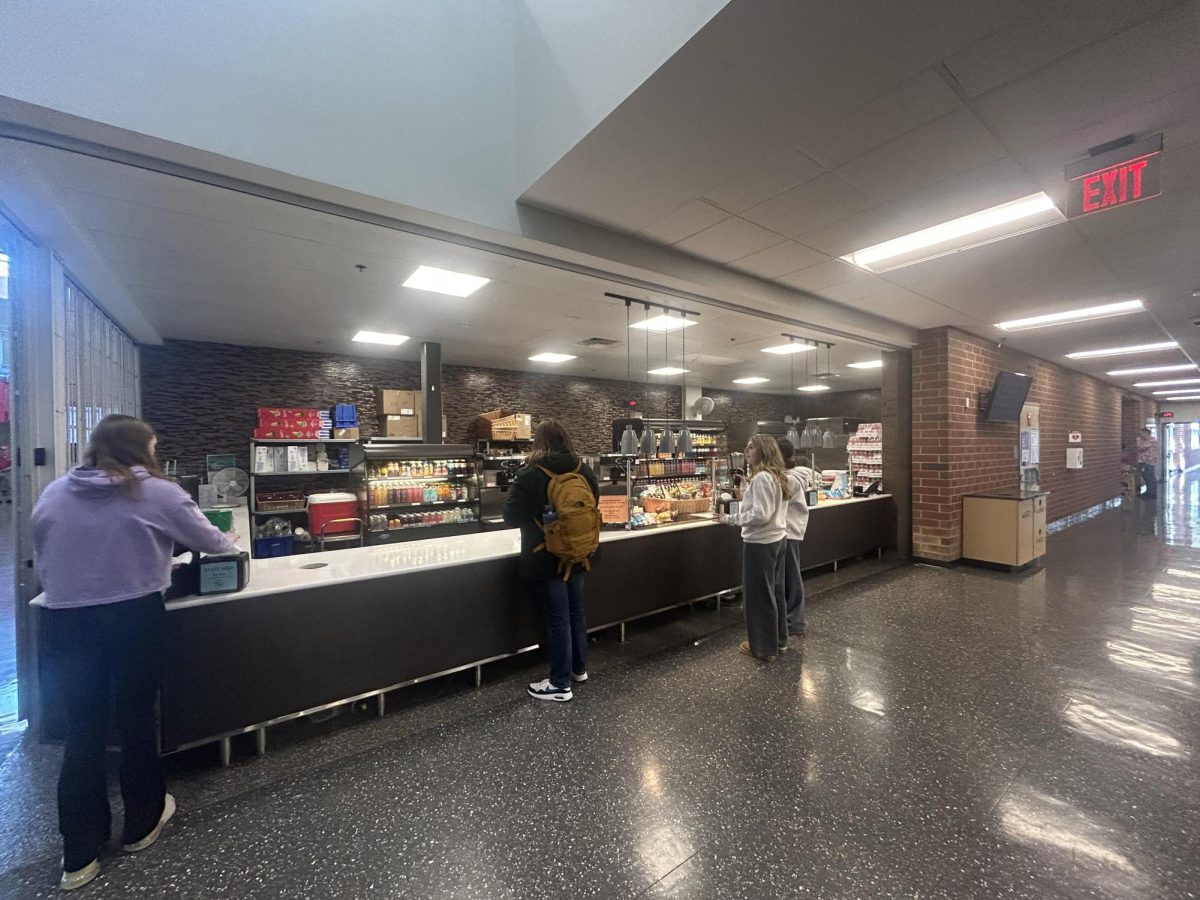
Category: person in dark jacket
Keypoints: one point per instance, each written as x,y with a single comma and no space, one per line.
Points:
561,601
103,536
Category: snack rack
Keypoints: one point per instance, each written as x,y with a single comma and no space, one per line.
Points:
865,450
666,490
411,492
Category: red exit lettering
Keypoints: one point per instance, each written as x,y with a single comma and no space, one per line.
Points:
1111,187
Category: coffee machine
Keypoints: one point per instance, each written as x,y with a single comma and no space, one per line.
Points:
498,474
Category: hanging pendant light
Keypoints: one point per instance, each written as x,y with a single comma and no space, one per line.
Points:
646,445
806,435
793,436
629,442
685,433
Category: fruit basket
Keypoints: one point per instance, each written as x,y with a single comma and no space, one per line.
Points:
682,507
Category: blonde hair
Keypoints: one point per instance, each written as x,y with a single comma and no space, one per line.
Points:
770,460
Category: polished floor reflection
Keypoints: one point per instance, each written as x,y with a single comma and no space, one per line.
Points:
940,733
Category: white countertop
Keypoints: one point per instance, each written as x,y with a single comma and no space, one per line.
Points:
289,573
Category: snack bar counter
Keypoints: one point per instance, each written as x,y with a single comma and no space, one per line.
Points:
315,631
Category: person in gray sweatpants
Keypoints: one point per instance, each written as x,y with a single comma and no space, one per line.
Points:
762,516
800,479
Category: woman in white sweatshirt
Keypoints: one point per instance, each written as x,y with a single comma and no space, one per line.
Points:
800,478
762,515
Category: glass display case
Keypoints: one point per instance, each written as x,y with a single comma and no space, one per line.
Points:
411,492
664,489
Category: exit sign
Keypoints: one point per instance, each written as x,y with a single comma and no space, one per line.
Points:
1114,175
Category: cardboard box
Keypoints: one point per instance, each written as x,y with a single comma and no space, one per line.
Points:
399,403
346,434
400,426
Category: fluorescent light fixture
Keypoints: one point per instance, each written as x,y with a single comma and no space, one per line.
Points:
753,379
552,357
790,347
1124,351
668,370
1124,308
1150,370
443,281
869,364
664,323
1167,383
1005,220
813,388
380,337
1177,393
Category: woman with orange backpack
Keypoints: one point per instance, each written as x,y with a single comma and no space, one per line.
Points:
554,500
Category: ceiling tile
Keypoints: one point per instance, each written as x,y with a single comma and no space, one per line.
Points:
762,178
779,260
1047,32
822,201
823,275
851,133
1125,72
684,222
988,185
955,143
877,224
729,240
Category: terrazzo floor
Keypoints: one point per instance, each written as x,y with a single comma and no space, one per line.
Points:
940,733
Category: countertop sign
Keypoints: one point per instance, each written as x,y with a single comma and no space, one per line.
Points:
1114,177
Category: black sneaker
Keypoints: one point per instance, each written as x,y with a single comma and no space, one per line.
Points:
544,690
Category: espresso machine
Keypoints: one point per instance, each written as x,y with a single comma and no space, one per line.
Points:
498,470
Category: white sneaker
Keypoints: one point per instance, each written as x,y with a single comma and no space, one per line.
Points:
74,880
544,690
168,811
580,678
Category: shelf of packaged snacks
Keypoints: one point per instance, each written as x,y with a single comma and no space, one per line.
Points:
694,476
303,441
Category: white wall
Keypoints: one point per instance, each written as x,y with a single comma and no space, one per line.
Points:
418,102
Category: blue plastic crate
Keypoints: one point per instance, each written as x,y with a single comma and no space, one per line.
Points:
265,548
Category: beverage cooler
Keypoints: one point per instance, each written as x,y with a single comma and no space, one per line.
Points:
411,492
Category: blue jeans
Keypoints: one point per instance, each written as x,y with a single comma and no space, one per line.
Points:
566,626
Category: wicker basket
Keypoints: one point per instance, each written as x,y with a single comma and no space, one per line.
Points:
680,507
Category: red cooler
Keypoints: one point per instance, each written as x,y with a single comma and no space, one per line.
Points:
324,508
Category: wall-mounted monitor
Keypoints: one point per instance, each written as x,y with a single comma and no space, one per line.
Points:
1007,398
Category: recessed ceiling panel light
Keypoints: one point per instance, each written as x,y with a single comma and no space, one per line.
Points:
664,323
380,337
1124,308
668,370
552,357
754,379
985,226
869,364
813,388
1124,351
1166,383
790,347
1150,370
443,281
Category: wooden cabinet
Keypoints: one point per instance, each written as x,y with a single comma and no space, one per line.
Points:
1006,529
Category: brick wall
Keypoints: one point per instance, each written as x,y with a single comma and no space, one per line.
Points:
955,452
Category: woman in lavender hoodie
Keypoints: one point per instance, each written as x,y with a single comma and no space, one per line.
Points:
103,538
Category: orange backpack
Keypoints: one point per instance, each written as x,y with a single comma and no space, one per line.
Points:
574,534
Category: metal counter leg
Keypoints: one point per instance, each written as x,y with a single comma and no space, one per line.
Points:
479,676
622,632
835,565
380,704
260,741
880,556
225,748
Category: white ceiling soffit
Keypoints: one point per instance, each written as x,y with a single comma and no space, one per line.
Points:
204,263
452,106
840,131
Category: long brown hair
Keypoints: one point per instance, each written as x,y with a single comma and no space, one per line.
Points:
119,443
770,460
550,436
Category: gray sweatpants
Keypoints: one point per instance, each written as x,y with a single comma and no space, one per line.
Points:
793,587
766,608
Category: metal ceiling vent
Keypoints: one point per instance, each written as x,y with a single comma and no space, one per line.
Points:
597,342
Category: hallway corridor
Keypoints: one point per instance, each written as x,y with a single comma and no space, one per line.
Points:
941,733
